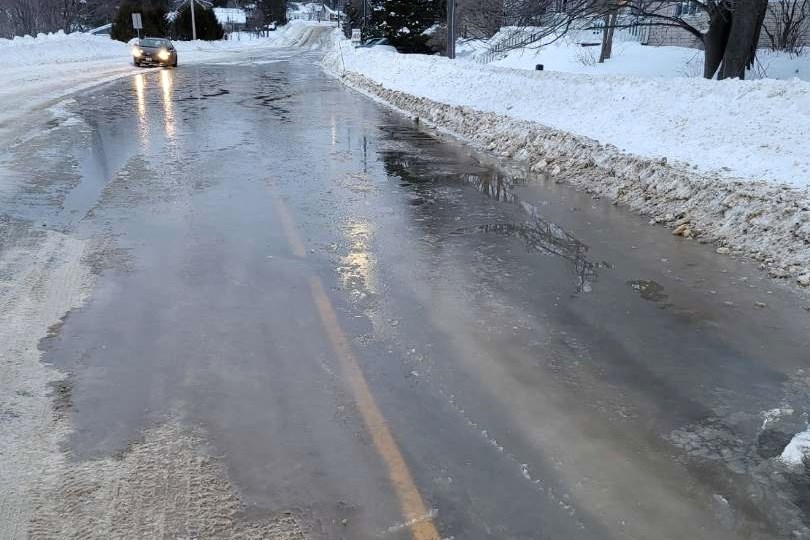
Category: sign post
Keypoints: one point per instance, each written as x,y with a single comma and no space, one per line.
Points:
451,29
193,22
137,23
356,36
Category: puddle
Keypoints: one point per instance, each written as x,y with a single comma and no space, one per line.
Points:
549,239
422,165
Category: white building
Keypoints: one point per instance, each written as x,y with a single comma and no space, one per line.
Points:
231,19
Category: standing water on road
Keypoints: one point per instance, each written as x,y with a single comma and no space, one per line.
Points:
274,309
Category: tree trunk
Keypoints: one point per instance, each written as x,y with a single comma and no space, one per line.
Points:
743,38
715,41
607,37
604,40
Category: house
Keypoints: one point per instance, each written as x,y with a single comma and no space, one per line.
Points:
690,13
231,19
312,12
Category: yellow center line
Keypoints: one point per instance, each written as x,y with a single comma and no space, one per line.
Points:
287,223
416,514
410,501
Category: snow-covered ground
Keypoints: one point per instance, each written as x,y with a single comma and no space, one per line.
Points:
633,58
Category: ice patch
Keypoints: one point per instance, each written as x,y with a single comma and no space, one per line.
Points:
771,416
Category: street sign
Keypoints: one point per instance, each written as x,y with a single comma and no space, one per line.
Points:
356,36
137,23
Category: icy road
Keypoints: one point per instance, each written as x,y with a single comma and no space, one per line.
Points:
241,301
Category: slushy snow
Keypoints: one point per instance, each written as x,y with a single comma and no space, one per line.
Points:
799,446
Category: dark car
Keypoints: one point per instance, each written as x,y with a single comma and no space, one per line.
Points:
154,51
375,42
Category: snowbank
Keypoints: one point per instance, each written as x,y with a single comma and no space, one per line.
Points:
59,48
724,162
738,129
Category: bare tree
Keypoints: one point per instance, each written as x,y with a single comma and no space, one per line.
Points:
479,19
787,20
20,17
734,27
729,36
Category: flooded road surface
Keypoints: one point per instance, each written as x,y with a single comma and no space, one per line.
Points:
311,318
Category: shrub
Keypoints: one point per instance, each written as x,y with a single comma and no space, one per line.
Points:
208,28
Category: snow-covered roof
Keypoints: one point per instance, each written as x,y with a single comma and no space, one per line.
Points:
230,15
104,29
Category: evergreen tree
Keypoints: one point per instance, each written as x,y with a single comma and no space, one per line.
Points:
208,28
274,11
403,22
153,16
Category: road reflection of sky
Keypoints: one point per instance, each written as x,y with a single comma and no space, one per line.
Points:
139,85
358,266
166,86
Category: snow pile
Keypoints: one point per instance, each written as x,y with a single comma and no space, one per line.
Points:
799,446
58,48
724,162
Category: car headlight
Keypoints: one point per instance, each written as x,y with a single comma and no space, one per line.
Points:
163,54
136,52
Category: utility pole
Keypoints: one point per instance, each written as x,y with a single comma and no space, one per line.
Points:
451,28
193,22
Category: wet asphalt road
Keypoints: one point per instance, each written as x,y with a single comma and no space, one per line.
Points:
549,366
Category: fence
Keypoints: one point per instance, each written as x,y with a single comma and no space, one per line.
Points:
637,30
511,39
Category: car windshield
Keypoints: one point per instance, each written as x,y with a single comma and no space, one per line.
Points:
153,42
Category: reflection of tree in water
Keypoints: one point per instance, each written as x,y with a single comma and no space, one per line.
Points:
538,234
549,239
